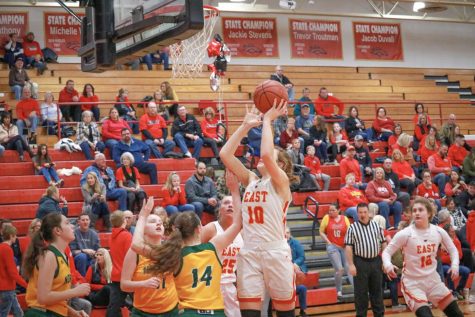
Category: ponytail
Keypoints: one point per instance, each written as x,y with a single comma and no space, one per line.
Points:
287,166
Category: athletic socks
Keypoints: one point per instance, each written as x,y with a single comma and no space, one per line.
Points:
453,310
250,313
288,313
424,311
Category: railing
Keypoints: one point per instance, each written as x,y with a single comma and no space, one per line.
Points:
314,216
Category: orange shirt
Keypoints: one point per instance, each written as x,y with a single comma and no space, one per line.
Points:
210,128
313,163
88,99
154,125
402,168
457,154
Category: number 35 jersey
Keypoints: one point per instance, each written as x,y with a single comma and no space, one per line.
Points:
263,213
228,256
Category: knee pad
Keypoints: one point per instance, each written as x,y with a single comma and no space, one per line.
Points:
453,310
424,311
250,313
288,313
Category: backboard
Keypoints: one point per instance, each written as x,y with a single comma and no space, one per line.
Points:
120,31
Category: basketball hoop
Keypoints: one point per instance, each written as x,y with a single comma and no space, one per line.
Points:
188,55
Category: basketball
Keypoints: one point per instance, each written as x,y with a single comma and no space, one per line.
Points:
266,92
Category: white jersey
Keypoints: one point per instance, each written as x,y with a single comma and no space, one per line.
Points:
419,248
263,213
228,256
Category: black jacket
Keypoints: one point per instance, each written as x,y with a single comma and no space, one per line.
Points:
362,156
393,179
48,205
350,126
465,201
190,126
283,80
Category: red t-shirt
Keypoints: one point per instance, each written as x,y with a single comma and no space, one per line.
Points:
347,166
457,154
379,124
210,128
432,192
286,139
313,163
66,96
88,99
113,129
426,153
119,174
174,198
154,125
325,107
25,107
402,169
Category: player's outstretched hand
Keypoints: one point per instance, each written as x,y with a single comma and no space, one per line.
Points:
454,274
252,118
391,273
147,207
277,110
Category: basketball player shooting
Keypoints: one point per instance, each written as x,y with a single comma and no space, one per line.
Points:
265,251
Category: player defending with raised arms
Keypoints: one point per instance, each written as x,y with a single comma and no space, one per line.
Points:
420,283
195,265
264,208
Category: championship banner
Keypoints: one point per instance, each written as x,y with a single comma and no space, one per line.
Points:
12,22
62,33
378,41
315,39
251,37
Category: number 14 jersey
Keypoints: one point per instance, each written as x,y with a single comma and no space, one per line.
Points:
263,213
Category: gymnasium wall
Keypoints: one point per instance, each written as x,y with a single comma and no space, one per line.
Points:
425,44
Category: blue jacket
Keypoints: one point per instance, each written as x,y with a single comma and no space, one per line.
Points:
254,137
138,149
95,169
48,205
298,254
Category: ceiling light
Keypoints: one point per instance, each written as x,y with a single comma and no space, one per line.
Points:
419,5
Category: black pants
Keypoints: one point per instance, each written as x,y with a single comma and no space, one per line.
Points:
101,297
369,278
117,300
17,143
213,144
71,113
135,199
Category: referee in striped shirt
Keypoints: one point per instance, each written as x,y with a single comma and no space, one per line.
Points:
364,242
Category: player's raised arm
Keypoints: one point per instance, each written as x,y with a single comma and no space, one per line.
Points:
251,119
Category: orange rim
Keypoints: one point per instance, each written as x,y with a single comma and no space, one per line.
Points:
210,11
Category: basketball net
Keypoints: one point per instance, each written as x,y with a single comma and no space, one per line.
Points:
188,55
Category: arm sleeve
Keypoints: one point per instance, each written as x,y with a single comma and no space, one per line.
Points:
198,130
116,155
432,167
167,200
398,241
105,130
165,132
376,125
214,192
86,195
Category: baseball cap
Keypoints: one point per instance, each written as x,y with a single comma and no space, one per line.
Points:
19,58
351,148
306,105
358,138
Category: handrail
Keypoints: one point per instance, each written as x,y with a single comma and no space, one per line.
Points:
314,217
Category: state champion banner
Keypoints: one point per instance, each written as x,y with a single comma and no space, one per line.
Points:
12,22
315,39
62,33
378,41
251,37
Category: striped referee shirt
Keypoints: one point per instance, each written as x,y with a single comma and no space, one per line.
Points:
366,239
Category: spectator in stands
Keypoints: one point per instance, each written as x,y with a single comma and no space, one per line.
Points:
421,129
363,157
468,167
254,138
440,167
66,95
428,190
28,114
403,197
313,163
112,129
333,229
201,191
457,152
174,199
2,149
187,132
429,147
383,125
106,176
379,191
87,96
296,156
455,186
155,132
168,95
350,165
9,276
128,178
159,57
290,133
95,204
33,54
364,242
17,250
355,126
458,218
140,153
49,203
44,165
9,137
298,259
446,261
419,109
50,114
127,110
303,123
349,197
394,137
129,221
466,200
305,99
13,50
405,173
281,78
120,241
318,136
162,108
98,275
88,136
85,244
211,135
18,78
338,141
448,130
325,106
279,125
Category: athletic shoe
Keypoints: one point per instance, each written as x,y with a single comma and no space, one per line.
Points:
457,295
398,307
